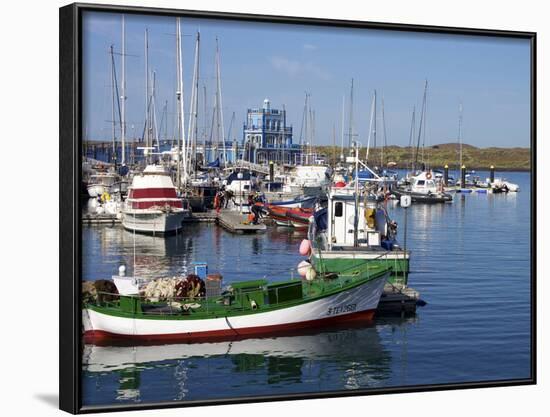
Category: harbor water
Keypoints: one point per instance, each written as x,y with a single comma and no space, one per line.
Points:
470,262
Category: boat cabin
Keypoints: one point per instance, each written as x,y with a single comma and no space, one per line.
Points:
424,183
372,226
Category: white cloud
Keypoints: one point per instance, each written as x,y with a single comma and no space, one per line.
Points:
296,68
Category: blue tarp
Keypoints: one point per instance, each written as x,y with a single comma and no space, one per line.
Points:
123,170
364,175
321,219
214,164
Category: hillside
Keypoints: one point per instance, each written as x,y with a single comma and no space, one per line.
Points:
448,154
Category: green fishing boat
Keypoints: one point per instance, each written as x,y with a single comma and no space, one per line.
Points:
244,309
353,230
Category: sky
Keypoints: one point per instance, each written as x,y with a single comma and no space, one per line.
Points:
490,76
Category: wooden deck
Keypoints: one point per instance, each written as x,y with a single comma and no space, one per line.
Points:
236,222
92,219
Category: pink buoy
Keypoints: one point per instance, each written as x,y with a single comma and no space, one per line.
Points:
303,267
340,184
305,247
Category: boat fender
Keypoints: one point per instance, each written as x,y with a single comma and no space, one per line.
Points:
311,274
253,304
303,268
305,247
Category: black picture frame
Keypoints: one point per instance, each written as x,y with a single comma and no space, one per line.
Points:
70,233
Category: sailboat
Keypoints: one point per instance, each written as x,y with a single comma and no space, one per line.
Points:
422,185
153,204
109,186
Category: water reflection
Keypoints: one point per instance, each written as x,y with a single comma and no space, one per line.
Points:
347,358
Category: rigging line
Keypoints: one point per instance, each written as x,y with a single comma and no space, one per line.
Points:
230,326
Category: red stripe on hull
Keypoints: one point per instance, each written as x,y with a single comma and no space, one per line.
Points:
152,193
149,204
100,337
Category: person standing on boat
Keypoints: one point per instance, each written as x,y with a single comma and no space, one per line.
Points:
228,195
223,201
254,209
217,205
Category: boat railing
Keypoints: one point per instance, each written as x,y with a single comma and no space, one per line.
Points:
367,266
183,305
163,305
233,300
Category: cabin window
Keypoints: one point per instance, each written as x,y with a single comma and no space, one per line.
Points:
338,209
421,182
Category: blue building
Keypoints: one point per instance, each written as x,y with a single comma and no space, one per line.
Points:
266,137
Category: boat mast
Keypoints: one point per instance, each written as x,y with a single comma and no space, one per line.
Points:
309,137
205,128
426,158
372,114
147,99
374,118
460,135
182,149
422,116
123,96
312,132
411,136
303,128
350,134
385,137
334,142
220,129
193,122
154,126
342,128
113,99
165,111
196,138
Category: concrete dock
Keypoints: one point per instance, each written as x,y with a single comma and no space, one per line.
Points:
207,216
93,219
109,219
236,222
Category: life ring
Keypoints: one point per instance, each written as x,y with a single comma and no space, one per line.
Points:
429,175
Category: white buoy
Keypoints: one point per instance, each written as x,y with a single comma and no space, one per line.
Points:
303,267
311,274
122,271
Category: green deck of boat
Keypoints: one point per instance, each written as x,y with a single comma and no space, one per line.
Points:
399,267
243,292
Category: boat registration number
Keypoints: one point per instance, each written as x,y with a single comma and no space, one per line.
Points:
332,311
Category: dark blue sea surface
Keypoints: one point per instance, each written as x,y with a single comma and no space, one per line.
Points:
470,261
